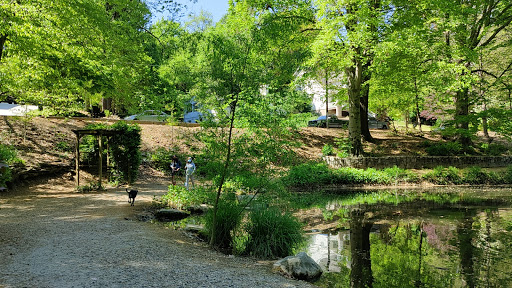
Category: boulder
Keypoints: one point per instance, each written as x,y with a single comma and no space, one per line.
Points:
301,267
169,215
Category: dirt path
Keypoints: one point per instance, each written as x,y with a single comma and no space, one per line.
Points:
51,236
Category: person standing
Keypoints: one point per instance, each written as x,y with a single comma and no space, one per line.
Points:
175,168
190,168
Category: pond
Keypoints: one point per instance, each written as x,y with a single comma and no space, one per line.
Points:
443,238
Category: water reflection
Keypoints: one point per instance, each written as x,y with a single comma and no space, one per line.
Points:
419,243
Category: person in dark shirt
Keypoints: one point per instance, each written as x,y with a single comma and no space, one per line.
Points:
175,168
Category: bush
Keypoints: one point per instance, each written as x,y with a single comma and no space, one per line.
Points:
161,159
493,149
474,175
401,175
327,150
444,149
124,147
272,234
308,174
181,198
7,156
507,177
442,176
229,217
344,147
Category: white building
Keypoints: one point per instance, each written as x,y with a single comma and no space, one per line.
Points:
316,88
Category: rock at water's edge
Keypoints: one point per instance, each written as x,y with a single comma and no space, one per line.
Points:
300,267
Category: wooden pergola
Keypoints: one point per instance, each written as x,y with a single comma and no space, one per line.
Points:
99,133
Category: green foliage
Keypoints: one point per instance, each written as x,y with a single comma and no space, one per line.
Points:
310,173
181,198
319,174
8,156
272,233
493,149
475,175
124,147
228,219
100,53
63,146
89,146
327,150
442,175
444,149
344,147
161,159
507,177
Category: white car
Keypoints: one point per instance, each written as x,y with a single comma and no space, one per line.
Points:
149,115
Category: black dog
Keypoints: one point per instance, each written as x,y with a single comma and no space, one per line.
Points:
131,195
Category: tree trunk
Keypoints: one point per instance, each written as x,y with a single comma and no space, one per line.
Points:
365,91
354,75
326,98
361,267
3,39
461,116
417,99
213,239
465,237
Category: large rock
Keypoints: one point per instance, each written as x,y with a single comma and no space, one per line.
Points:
300,267
169,215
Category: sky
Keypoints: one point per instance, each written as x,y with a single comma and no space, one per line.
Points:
216,7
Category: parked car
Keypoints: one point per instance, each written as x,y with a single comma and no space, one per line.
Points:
374,123
149,115
334,122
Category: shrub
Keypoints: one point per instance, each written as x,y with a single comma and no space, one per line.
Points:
327,150
308,174
161,159
7,156
400,175
474,175
125,151
272,234
441,175
507,177
179,197
444,149
344,147
493,149
229,217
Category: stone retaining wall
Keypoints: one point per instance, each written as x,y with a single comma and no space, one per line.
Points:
419,162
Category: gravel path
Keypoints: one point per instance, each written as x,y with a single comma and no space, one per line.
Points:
51,236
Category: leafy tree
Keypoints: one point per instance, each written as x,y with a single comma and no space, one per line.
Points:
244,69
349,28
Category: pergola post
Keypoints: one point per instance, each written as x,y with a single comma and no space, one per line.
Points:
100,168
77,159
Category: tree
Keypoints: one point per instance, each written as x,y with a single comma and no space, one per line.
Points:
349,27
251,50
66,55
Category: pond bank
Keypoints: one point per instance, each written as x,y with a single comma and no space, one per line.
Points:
51,236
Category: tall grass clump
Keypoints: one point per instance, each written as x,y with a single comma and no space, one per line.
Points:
228,220
272,234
